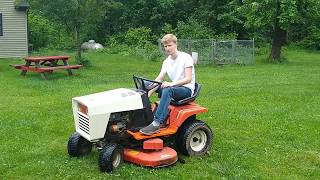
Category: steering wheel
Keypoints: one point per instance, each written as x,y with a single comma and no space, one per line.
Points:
145,84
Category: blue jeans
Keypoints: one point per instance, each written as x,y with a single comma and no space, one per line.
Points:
176,92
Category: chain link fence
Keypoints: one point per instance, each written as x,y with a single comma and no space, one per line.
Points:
208,51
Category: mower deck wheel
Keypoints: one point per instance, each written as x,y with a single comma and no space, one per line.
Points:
110,157
78,145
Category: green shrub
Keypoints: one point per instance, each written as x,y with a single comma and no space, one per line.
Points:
167,28
225,36
114,40
149,51
136,41
83,61
120,49
313,40
45,34
192,29
262,50
138,36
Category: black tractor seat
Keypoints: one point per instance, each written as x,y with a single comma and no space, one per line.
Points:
197,88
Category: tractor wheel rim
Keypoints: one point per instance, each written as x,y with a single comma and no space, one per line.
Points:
198,140
116,159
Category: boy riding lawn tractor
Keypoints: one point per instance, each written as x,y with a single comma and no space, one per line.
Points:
111,120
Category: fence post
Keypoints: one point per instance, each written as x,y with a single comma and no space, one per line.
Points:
253,51
215,49
212,49
190,46
232,52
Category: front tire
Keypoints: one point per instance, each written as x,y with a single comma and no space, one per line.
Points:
194,138
110,157
78,145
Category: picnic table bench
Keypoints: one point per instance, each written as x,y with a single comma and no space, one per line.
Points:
45,64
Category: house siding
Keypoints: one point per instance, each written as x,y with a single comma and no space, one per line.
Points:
14,42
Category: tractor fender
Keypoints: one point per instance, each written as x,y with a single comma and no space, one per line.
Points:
179,114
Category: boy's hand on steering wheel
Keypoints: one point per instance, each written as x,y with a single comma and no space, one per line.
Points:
166,84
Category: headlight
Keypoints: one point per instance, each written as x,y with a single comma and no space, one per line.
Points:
82,108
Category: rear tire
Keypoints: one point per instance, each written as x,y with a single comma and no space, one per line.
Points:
194,138
78,145
110,157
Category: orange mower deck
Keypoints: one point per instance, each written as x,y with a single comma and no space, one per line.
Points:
153,154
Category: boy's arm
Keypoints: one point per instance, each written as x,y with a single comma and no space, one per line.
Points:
159,78
187,79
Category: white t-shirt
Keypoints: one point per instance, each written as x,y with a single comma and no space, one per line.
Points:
175,68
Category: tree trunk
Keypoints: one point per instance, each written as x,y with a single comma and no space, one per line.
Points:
77,31
78,45
278,39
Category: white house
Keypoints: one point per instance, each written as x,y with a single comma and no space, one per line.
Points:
13,28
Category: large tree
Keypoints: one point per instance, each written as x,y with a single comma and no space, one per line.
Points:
275,17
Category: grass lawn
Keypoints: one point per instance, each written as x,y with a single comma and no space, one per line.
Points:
265,117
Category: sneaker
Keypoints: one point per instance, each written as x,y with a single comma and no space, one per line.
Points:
164,125
150,129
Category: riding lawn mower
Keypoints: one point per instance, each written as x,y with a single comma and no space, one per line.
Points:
111,120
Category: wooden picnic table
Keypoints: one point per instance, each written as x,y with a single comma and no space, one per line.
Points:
44,64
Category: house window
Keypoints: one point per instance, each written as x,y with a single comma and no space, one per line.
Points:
1,28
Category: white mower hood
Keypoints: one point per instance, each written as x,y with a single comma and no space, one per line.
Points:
92,112
116,100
